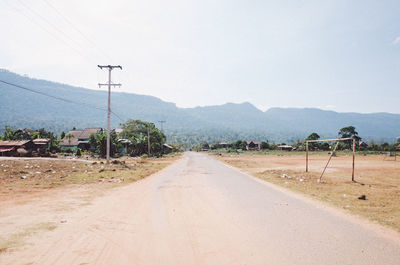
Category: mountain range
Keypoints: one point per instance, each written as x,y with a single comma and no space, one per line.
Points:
59,107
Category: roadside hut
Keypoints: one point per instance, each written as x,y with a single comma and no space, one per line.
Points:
16,148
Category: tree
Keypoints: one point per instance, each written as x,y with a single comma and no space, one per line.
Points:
239,144
98,143
348,132
137,132
264,145
312,137
69,136
9,134
62,135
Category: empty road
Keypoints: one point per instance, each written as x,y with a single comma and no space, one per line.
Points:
199,211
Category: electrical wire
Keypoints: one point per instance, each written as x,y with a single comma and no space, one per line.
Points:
78,30
84,56
60,98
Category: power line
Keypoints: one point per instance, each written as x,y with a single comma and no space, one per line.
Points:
60,98
51,33
77,29
49,23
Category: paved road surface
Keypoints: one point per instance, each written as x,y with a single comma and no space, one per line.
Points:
199,211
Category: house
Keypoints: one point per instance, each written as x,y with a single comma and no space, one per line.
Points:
362,145
79,139
252,145
285,147
83,139
167,149
41,145
16,148
72,141
223,145
124,145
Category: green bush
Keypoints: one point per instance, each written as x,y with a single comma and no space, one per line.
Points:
78,152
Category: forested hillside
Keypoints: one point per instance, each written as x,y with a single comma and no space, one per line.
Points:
24,109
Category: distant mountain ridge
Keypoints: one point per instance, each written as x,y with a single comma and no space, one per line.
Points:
227,122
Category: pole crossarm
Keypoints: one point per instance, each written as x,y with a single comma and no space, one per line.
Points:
100,85
109,66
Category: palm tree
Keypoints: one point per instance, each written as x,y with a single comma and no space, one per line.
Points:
69,136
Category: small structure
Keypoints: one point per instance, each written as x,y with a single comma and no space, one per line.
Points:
16,148
167,149
124,145
80,139
223,145
83,139
285,147
41,145
362,145
72,141
252,145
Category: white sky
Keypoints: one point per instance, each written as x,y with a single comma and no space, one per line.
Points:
340,55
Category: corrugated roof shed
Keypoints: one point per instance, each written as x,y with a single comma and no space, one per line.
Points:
13,143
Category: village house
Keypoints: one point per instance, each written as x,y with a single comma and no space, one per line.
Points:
167,149
362,145
223,145
41,145
78,139
252,145
124,145
16,148
285,147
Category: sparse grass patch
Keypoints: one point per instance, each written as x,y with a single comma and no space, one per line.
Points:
16,240
24,176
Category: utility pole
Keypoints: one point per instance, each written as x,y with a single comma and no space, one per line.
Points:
148,141
110,68
161,123
162,146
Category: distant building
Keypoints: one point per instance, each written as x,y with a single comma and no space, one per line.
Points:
124,145
16,148
252,145
363,145
80,139
285,147
223,145
41,145
167,148
118,131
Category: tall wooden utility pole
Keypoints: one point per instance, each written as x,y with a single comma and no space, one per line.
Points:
161,123
162,146
148,141
110,68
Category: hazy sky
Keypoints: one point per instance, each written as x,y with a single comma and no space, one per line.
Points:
339,55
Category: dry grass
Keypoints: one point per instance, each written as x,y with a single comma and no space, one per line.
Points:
22,176
378,180
17,239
